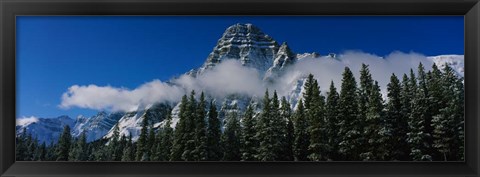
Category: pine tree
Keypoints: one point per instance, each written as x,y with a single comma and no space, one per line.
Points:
278,124
114,145
331,116
32,148
349,128
301,142
129,151
79,152
119,150
231,136
150,150
248,141
42,152
286,114
450,118
64,143
189,134
406,98
28,149
265,132
364,93
459,134
373,132
419,135
308,94
167,140
142,144
436,102
21,149
318,147
180,130
396,123
214,151
200,153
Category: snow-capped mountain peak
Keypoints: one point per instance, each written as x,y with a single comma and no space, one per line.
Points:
246,43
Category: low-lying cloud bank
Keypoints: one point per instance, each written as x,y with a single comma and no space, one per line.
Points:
326,69
22,121
119,99
231,77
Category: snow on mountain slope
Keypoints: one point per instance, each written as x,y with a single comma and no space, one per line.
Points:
96,126
131,122
454,61
44,129
244,42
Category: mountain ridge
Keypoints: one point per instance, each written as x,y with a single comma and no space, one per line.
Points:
245,43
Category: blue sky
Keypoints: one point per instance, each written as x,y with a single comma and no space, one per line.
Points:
56,52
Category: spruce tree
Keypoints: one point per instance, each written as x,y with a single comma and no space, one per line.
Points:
166,140
157,146
79,152
180,129
286,114
374,133
301,142
459,134
150,143
114,144
265,132
200,153
419,135
349,128
42,152
189,134
214,150
331,116
231,136
396,123
318,147
449,120
21,148
437,101
278,124
406,98
128,152
308,93
248,141
364,93
142,144
64,143
32,148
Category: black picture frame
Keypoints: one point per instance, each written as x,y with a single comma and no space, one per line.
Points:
470,9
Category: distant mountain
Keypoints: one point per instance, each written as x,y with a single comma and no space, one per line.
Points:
97,126
243,42
44,129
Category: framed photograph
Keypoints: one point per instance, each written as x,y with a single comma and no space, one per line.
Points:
239,88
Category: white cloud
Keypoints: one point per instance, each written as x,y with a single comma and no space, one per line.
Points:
326,69
119,99
231,77
23,121
228,77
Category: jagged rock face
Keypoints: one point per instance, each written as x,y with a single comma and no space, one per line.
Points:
244,42
96,126
284,58
131,122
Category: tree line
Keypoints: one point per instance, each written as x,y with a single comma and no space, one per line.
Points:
421,119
